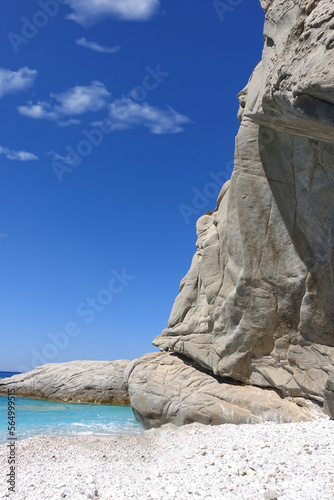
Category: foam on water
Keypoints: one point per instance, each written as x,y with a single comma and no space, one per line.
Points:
35,417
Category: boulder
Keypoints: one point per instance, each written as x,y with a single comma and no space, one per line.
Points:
73,382
329,397
257,304
167,388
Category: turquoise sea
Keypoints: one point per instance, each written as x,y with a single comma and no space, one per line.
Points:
35,417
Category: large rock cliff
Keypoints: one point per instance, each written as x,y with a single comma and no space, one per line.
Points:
257,305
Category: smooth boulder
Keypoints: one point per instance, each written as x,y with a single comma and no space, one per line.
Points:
167,388
73,382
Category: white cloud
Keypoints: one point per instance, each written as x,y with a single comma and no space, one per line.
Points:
81,99
41,110
97,47
16,81
88,12
75,101
126,114
17,155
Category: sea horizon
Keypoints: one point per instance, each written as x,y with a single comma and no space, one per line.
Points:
6,374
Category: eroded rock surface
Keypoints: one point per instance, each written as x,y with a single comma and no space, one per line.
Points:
166,388
257,304
329,397
73,382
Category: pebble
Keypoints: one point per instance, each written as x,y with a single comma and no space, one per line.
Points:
271,495
250,462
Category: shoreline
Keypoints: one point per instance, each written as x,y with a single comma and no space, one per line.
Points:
269,460
35,398
35,417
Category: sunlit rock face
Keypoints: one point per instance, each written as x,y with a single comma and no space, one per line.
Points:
167,388
257,304
72,382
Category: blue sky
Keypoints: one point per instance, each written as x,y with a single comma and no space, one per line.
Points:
118,122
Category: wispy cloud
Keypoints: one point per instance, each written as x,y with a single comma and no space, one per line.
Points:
88,12
67,123
75,101
12,82
126,114
10,154
97,47
68,159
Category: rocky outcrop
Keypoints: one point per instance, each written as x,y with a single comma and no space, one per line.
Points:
258,302
73,382
257,305
167,388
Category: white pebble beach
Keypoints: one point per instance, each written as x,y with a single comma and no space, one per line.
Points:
263,461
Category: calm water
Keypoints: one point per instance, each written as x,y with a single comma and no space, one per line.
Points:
7,374
66,419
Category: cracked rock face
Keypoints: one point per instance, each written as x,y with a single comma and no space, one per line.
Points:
73,382
257,304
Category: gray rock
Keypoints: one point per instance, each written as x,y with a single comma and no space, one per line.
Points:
271,495
329,397
257,304
75,381
166,388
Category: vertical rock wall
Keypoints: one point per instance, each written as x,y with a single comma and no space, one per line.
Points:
257,304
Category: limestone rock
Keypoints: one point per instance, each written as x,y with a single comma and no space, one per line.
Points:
257,304
165,388
73,382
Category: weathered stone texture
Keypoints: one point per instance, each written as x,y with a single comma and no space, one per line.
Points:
165,388
73,382
257,304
